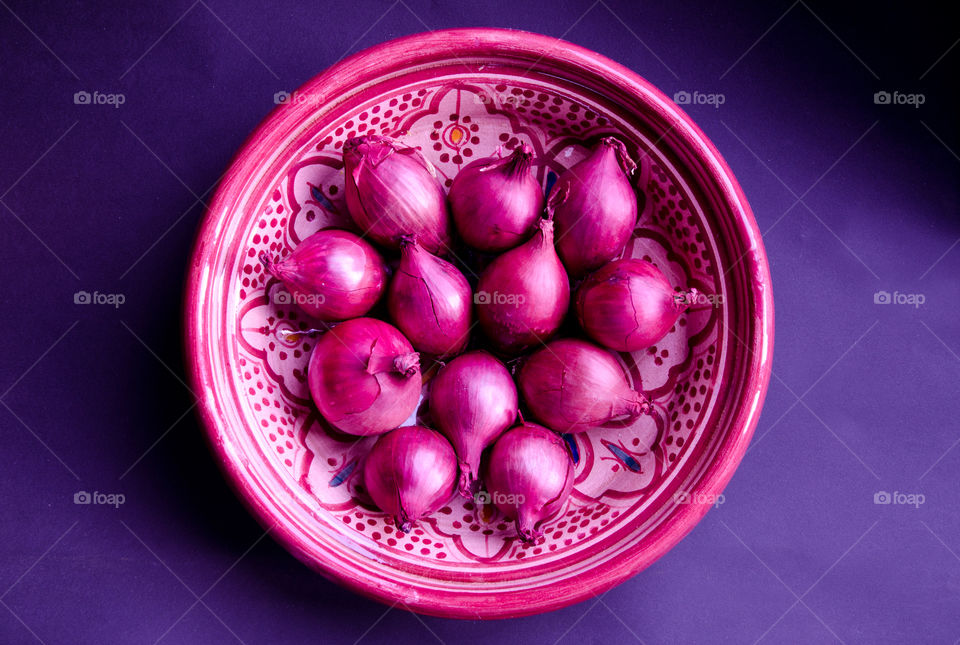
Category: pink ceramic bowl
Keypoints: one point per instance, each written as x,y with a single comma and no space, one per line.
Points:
639,487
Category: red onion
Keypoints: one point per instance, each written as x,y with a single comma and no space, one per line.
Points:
332,275
595,207
393,191
572,385
496,201
523,295
529,477
364,377
409,473
472,400
430,301
628,305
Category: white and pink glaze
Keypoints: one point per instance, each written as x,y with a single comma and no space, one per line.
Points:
458,95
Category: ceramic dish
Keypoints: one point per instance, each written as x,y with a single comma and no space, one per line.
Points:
640,487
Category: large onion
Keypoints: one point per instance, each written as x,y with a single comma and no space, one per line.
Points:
523,295
572,385
496,201
392,191
364,377
409,473
472,400
529,477
628,305
430,301
595,207
332,275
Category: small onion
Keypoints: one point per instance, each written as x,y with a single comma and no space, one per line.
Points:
410,473
496,201
595,207
393,191
523,295
364,377
628,305
572,385
332,275
529,477
430,301
472,400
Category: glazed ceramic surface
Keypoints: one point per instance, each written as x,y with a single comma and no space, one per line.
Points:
640,486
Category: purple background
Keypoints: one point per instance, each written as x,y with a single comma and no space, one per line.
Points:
853,197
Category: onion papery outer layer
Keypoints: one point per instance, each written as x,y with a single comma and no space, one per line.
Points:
595,207
572,386
529,477
364,377
393,191
522,297
496,201
430,301
628,305
473,399
409,473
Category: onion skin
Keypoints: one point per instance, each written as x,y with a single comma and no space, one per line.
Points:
572,386
332,275
529,477
496,201
364,377
595,208
392,191
472,401
410,473
431,302
628,305
522,297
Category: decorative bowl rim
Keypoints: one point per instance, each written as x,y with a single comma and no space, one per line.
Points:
369,65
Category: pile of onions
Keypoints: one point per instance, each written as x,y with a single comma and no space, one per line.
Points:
472,400
530,477
430,301
332,275
392,192
523,296
365,375
496,201
410,472
595,207
572,386
628,305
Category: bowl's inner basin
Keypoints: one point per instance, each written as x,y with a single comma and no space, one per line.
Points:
629,477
